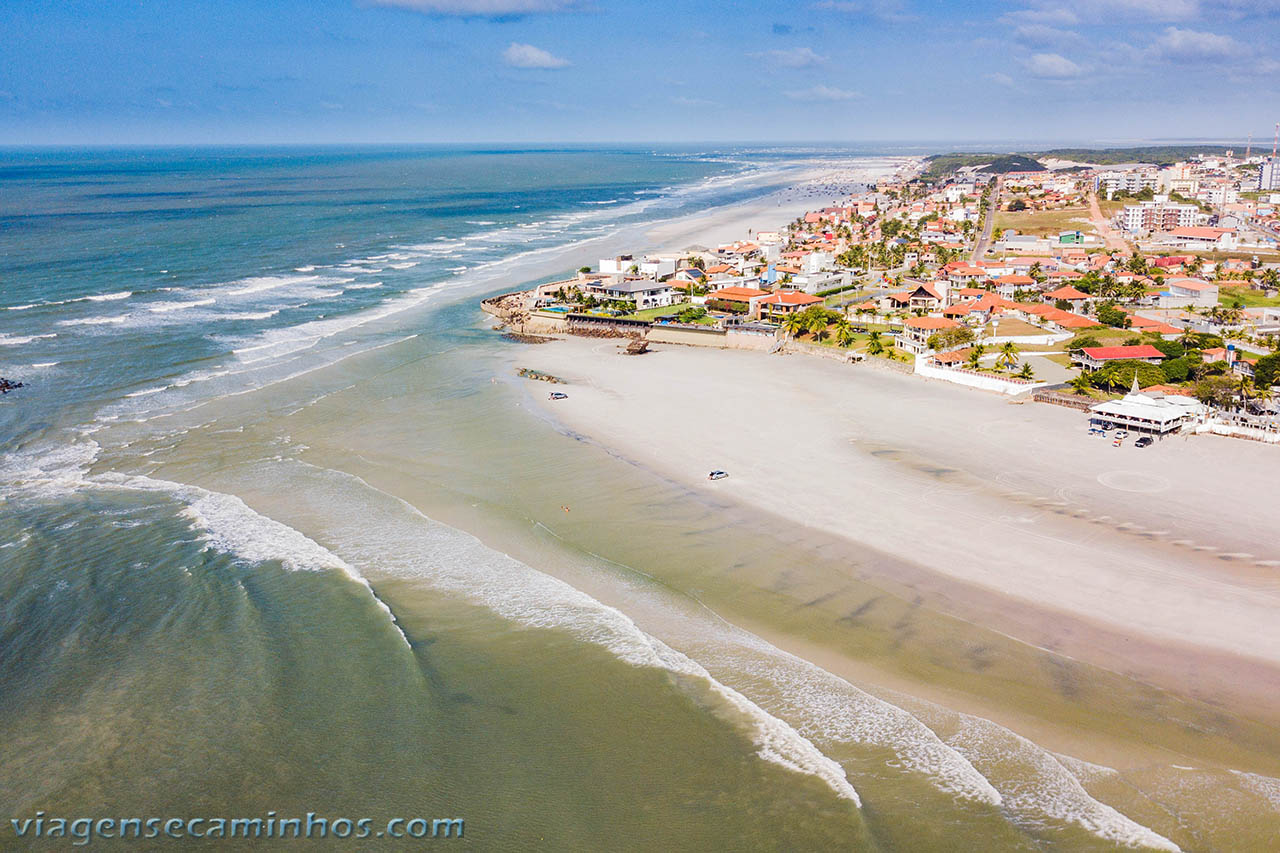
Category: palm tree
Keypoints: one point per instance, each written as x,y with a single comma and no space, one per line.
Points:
1080,384
1008,355
817,324
874,345
1244,388
844,333
794,324
1026,372
974,357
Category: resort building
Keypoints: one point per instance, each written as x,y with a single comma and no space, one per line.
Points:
1151,413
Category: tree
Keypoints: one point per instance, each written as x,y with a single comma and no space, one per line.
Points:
844,333
584,269
1215,391
1109,315
1008,356
1170,349
974,357
1267,371
1081,384
1118,375
794,324
1176,369
874,345
1083,342
1026,372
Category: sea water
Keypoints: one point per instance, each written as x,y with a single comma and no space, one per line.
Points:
280,534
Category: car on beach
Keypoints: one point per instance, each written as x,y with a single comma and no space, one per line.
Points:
717,475
1145,441
559,395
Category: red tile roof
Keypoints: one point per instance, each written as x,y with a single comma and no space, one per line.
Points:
790,297
736,294
931,323
1111,353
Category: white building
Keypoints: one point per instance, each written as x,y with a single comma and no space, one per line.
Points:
1127,181
1152,414
1269,175
1159,216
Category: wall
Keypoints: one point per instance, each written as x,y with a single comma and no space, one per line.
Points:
687,336
976,380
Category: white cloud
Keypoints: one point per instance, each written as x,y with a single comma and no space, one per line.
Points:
527,56
1105,11
885,10
824,93
1052,66
1178,43
800,57
1041,35
484,8
1001,78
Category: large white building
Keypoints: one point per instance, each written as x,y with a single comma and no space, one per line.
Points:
1269,175
1129,182
1159,216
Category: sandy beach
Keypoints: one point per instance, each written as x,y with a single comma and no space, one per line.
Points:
1128,558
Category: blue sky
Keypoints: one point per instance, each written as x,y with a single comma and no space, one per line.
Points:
276,71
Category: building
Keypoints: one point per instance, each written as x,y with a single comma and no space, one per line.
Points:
1269,175
1150,413
782,303
917,331
1128,182
1159,216
1092,358
1180,292
1203,239
642,292
746,298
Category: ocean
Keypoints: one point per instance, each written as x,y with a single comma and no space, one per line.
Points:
282,535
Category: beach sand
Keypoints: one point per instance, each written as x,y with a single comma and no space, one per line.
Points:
1136,560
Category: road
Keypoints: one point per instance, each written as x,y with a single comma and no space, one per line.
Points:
1100,224
988,223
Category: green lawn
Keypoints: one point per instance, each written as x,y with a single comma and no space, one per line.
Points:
1250,298
651,314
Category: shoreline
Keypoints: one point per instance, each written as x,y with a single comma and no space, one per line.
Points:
1222,641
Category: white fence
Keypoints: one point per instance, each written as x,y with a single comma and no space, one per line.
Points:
985,381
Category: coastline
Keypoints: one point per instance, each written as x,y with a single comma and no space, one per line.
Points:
1124,595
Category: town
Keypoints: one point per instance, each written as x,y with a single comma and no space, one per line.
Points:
1143,294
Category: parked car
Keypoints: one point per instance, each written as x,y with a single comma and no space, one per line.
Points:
717,475
1145,441
559,395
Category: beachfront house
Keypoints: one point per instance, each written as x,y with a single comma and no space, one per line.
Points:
641,292
736,300
917,331
784,302
1092,358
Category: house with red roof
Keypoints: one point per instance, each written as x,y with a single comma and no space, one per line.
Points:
1078,298
917,331
1203,238
784,302
1092,358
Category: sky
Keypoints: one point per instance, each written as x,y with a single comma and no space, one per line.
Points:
530,71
